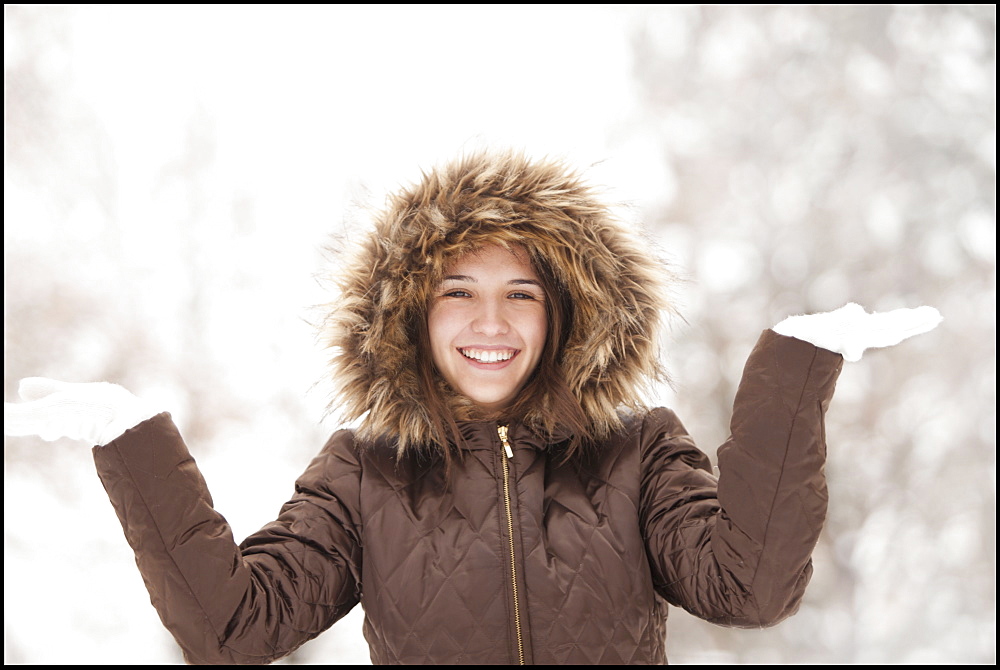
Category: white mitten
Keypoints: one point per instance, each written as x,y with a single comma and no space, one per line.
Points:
95,412
850,330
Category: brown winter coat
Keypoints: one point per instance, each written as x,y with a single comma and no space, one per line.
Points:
530,558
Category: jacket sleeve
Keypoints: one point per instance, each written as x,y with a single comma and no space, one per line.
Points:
737,552
224,603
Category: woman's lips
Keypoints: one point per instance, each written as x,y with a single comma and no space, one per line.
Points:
489,359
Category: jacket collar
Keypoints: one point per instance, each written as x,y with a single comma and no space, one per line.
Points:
481,435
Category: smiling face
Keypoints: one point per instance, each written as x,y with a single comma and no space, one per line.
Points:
487,325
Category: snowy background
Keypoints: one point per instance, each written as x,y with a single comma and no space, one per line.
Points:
172,175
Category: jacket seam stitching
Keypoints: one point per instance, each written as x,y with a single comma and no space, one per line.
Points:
770,511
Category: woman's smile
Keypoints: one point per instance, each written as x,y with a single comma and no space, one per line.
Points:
489,356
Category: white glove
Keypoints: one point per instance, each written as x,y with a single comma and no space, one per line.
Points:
95,412
850,330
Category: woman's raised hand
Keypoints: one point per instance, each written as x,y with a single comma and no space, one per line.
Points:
95,412
850,330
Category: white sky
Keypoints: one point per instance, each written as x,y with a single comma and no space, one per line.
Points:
333,95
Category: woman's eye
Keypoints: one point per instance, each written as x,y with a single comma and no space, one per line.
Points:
520,295
457,293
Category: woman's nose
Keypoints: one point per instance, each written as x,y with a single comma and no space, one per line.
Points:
490,320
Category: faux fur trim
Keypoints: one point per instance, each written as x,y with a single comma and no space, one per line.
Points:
616,286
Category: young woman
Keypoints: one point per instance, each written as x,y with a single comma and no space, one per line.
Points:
507,498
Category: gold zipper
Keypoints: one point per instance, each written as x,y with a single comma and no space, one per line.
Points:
502,432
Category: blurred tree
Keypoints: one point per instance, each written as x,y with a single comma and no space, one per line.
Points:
134,272
816,155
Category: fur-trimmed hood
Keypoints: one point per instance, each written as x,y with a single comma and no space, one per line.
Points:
614,284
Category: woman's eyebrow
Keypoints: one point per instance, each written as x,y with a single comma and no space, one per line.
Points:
468,278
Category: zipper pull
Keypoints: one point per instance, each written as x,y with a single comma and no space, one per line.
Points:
502,432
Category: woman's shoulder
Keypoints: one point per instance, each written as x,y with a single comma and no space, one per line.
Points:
642,430
649,422
349,449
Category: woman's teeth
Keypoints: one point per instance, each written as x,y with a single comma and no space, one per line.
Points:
488,356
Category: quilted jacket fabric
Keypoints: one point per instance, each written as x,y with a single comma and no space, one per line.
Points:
524,559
